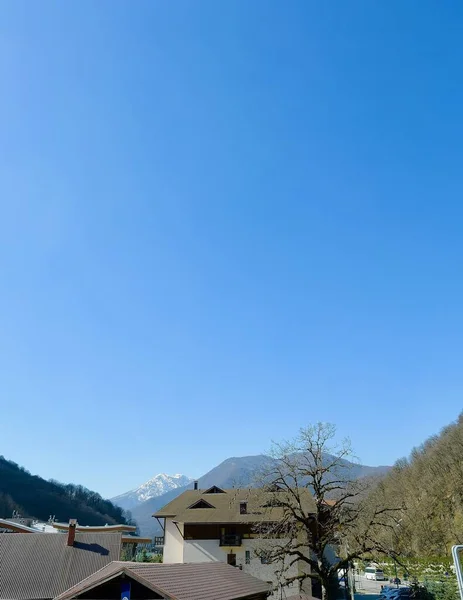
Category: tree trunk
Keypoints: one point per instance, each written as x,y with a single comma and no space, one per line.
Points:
326,589
330,588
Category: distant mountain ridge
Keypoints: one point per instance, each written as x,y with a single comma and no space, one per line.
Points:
156,486
34,497
232,472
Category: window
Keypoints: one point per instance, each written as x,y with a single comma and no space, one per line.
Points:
247,557
214,490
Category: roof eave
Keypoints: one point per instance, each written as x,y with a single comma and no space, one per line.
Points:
68,594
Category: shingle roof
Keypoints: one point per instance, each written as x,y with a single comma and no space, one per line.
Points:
187,581
227,506
42,565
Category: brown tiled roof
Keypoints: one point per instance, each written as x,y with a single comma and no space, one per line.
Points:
187,581
227,506
42,565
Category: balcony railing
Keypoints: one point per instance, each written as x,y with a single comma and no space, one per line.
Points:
230,539
159,540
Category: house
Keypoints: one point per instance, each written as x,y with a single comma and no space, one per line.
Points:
148,581
220,525
130,541
40,566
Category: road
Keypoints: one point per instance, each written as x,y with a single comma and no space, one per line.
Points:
368,588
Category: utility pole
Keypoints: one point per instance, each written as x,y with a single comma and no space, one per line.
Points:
348,581
351,580
456,551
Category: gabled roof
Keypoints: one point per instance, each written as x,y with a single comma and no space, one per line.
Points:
187,581
260,506
43,565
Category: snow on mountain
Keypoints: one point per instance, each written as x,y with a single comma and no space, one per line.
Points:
156,486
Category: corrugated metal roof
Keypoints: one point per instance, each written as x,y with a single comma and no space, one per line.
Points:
43,565
187,581
226,506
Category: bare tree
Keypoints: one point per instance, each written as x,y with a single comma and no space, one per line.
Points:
326,517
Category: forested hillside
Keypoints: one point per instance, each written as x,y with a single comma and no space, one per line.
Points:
429,487
35,497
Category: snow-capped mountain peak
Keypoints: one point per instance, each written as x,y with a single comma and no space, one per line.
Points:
156,486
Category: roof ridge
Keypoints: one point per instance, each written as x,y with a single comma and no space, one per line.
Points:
172,585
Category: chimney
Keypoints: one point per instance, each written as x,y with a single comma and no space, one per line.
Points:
72,531
243,508
195,485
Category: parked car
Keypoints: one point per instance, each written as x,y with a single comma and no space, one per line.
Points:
399,593
389,593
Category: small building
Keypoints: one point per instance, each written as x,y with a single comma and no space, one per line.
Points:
130,541
148,581
220,525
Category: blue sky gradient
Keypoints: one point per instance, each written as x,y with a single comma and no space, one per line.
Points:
221,221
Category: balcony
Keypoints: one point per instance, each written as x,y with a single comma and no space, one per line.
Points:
159,540
230,539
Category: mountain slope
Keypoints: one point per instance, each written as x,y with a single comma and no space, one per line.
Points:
37,498
156,486
233,472
428,486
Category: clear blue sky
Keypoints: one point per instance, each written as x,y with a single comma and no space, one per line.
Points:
221,221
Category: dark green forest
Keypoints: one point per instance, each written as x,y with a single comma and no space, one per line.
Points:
34,497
